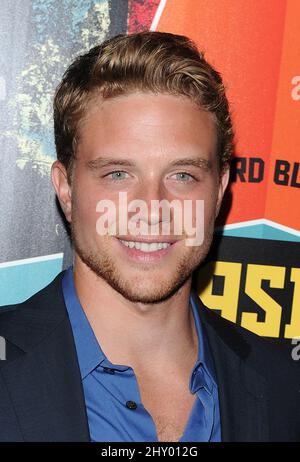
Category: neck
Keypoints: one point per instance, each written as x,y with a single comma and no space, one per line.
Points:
136,334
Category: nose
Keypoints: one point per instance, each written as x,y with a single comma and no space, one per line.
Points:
153,201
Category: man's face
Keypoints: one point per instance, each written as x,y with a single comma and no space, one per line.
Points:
151,147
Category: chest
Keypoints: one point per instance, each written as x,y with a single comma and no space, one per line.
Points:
169,407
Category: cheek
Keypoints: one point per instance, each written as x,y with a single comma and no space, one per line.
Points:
84,212
204,208
93,211
210,208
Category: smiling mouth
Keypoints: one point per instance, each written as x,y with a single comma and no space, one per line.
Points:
145,246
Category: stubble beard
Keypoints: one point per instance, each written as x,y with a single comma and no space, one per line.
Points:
104,266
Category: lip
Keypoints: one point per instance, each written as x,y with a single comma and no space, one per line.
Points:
146,257
148,240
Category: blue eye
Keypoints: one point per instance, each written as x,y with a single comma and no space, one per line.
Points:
118,175
182,176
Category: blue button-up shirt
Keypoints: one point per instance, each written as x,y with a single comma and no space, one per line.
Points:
108,387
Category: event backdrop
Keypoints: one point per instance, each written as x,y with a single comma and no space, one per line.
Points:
252,275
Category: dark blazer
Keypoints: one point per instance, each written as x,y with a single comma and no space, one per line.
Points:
41,394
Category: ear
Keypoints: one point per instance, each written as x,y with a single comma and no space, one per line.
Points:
223,183
62,187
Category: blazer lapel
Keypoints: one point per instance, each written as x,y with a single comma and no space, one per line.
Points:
43,381
242,391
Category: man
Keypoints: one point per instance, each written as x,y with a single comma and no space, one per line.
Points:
119,347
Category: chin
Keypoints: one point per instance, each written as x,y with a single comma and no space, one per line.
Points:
146,295
149,289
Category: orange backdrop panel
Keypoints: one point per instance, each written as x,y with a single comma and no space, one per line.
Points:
242,39
283,203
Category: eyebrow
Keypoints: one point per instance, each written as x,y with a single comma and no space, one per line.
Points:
198,162
101,162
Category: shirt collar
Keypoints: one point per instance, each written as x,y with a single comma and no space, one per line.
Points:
203,373
90,354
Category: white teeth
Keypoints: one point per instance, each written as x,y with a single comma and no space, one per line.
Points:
145,247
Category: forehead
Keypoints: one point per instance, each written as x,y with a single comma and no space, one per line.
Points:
146,123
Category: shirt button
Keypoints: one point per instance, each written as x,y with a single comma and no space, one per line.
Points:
131,405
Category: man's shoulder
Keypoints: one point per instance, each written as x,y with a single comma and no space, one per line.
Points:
266,355
25,324
42,297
